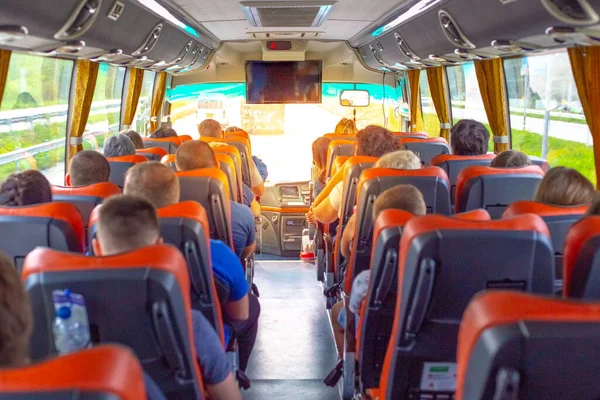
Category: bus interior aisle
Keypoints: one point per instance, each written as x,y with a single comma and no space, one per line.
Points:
294,349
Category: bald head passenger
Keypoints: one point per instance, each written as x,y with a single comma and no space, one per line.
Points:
195,154
87,168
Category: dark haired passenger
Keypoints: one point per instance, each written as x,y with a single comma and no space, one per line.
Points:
563,186
372,141
469,138
128,223
135,138
163,132
87,168
25,188
510,159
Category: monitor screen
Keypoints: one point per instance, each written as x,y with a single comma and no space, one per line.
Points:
282,82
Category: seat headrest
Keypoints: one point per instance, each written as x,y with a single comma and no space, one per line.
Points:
213,173
229,139
544,210
231,150
474,215
189,210
172,139
152,150
440,158
582,231
496,307
102,189
340,136
226,158
168,159
423,135
242,134
55,210
185,138
424,140
371,173
338,163
107,368
135,159
390,218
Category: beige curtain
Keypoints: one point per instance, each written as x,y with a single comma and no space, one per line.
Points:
87,74
136,77
439,95
160,88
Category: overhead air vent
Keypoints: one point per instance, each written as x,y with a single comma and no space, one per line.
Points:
513,46
150,41
10,33
574,12
274,14
453,32
405,49
183,53
80,20
376,55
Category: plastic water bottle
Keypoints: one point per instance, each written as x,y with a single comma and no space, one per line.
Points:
70,333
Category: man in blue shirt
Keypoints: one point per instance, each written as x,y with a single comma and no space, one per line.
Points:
159,185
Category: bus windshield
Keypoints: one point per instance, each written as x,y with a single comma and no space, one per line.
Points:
282,134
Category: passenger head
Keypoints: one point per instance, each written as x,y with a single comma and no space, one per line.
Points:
126,223
594,209
210,128
195,154
88,167
469,138
154,182
16,317
400,197
232,129
346,127
319,150
401,159
163,132
510,159
118,145
374,141
25,189
135,138
563,186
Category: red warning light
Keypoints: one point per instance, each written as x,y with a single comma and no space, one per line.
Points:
279,45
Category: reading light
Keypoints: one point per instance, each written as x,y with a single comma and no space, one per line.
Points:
415,10
153,6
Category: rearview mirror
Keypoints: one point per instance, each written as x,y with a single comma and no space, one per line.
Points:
355,98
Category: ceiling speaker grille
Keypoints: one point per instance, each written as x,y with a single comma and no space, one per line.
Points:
287,14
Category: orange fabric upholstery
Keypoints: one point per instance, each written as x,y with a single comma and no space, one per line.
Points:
65,212
474,215
404,140
338,148
102,189
541,209
244,151
439,159
338,163
134,159
110,369
214,173
401,135
228,167
339,136
170,144
453,164
495,308
157,152
242,134
436,225
185,138
169,160
577,266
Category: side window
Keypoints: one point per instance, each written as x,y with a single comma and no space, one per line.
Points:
105,112
431,122
33,116
141,120
546,115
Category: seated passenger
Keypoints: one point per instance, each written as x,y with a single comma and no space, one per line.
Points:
163,132
319,151
594,209
158,184
25,188
402,159
213,129
373,141
563,186
346,127
127,223
135,138
195,154
510,159
118,145
400,197
87,168
469,138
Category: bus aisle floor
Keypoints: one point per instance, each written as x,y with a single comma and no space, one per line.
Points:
294,350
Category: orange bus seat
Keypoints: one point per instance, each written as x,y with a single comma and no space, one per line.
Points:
139,299
55,225
580,264
103,372
454,164
210,188
413,135
540,162
152,153
377,314
169,160
85,198
185,138
494,189
169,144
443,263
339,136
338,163
234,153
244,149
338,148
227,165
518,346
120,165
559,220
242,134
426,149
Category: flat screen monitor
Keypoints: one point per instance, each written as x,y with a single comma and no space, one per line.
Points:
283,82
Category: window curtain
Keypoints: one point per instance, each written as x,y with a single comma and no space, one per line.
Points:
85,84
416,115
134,88
439,94
160,88
4,63
585,63
490,76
